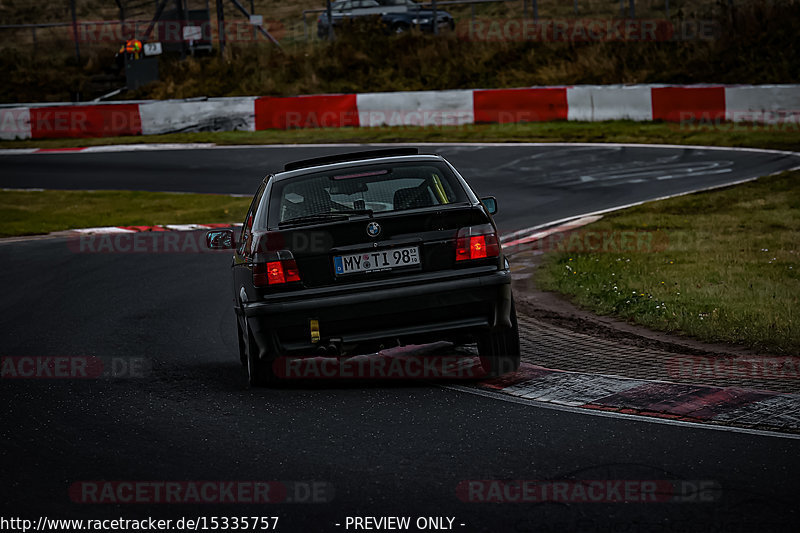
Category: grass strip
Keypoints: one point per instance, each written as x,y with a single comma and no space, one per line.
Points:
721,266
37,212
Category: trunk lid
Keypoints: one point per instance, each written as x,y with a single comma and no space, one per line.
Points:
383,252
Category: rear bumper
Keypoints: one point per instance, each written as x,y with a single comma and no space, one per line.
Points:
432,306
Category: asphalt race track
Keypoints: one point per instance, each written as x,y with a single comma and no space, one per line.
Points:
381,449
533,183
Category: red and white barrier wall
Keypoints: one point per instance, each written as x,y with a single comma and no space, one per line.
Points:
694,104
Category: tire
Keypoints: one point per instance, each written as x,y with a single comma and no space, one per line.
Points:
499,350
259,370
399,28
242,347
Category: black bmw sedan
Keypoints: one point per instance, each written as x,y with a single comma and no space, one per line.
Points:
358,252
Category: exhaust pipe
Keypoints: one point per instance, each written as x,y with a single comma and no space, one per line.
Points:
335,347
332,349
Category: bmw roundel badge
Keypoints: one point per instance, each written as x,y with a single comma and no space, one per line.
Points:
373,229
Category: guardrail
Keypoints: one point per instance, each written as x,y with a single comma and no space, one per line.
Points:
772,107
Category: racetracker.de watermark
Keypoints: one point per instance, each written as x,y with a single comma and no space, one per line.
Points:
591,241
202,492
732,120
586,30
73,367
164,241
707,367
379,367
589,491
175,31
377,117
73,121
144,242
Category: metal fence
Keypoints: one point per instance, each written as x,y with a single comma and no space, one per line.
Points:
530,9
527,9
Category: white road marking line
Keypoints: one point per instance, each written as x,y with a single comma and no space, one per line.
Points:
185,227
104,229
17,151
146,147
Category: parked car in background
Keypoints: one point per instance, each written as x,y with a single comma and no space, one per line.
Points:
396,16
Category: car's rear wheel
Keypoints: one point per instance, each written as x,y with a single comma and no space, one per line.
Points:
260,372
242,345
499,349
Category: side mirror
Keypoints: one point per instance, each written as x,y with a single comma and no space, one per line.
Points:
220,239
491,204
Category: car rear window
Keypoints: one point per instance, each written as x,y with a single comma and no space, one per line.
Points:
380,188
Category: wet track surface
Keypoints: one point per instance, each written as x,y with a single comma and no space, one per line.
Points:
533,183
386,448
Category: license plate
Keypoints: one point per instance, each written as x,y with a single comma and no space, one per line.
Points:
377,261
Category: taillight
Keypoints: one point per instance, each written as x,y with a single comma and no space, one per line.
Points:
273,273
477,242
